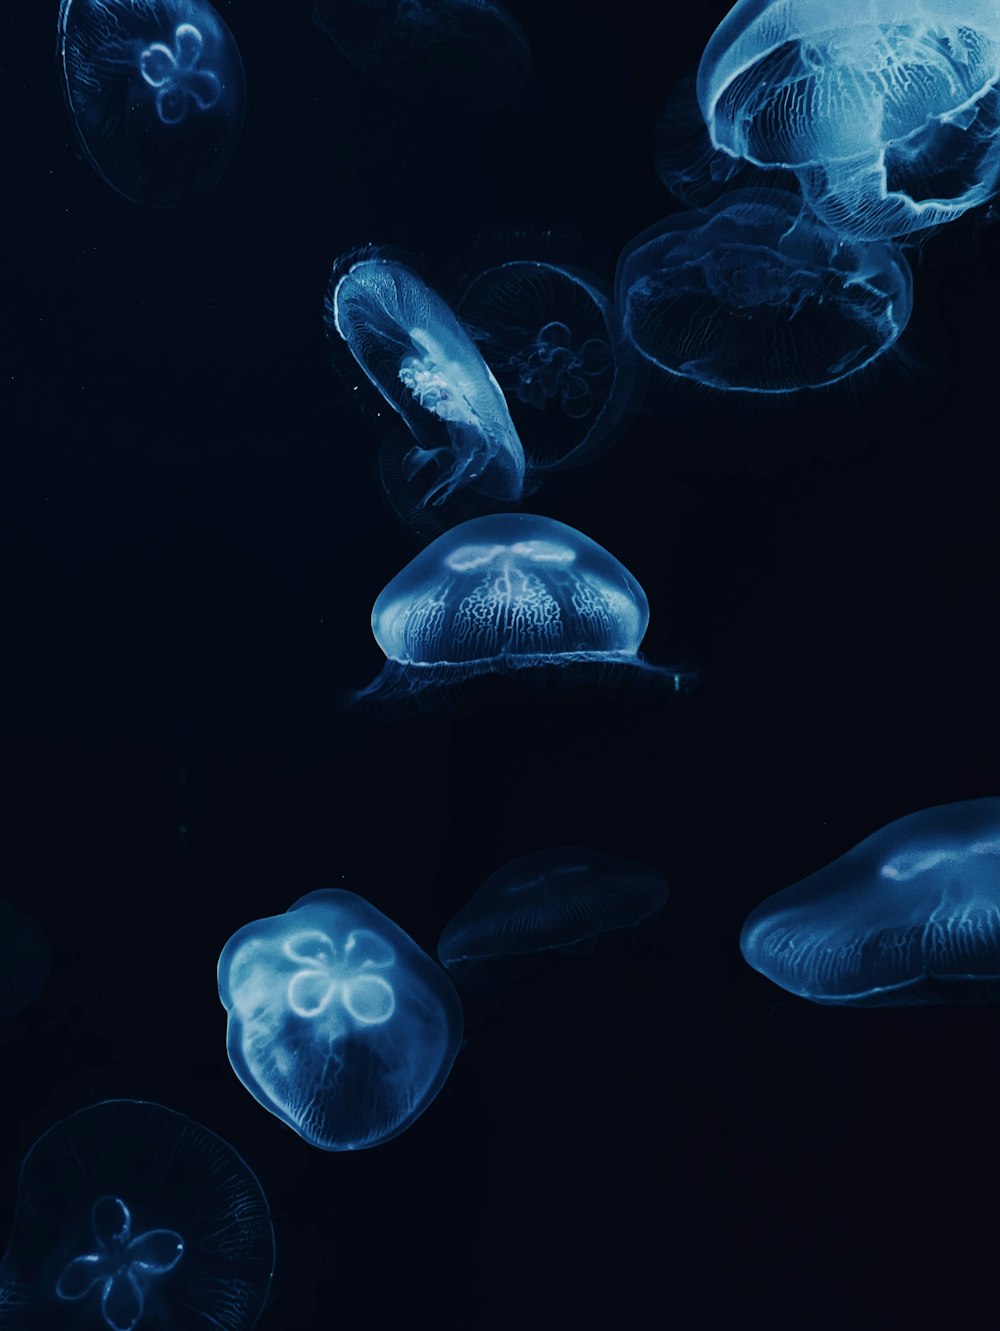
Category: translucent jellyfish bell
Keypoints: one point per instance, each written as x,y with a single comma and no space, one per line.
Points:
131,1215
911,915
888,113
25,960
338,1023
753,294
156,92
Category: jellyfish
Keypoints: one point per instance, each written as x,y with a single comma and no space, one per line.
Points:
889,114
25,960
910,915
470,52
552,337
129,1214
564,898
156,93
426,366
338,1023
753,294
510,592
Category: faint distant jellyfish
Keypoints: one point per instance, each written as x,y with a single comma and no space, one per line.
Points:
564,898
553,339
470,51
156,92
25,960
338,1023
754,295
888,114
910,915
130,1215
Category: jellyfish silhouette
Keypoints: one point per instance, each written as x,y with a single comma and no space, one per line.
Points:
564,898
509,593
910,915
25,960
753,294
131,1214
156,93
467,51
338,1023
889,114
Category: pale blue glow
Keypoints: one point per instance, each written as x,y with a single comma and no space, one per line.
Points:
338,1023
131,1215
753,294
25,960
156,92
888,113
911,915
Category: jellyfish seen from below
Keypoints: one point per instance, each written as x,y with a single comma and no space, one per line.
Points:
469,52
911,915
888,113
754,295
156,93
509,593
564,898
338,1023
25,960
131,1215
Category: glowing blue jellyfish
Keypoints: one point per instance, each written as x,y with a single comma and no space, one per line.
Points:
753,294
156,92
888,113
130,1214
338,1023
508,592
564,898
911,915
25,960
553,339
467,51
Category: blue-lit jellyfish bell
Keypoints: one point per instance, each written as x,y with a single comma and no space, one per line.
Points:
339,1024
911,915
131,1215
156,93
468,53
754,295
460,446
514,596
888,114
25,960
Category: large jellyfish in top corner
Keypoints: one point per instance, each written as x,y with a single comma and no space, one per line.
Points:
888,112
910,915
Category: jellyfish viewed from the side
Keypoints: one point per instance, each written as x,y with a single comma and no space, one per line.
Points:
339,1024
888,113
753,294
25,960
470,53
131,1215
910,915
510,592
563,898
156,92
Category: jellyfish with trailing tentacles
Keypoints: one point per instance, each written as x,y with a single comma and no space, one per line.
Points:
130,1215
753,294
888,113
156,92
25,960
910,915
338,1023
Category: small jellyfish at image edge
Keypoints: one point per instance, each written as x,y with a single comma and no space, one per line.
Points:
423,362
754,295
470,53
25,960
564,898
129,1215
911,915
339,1024
888,113
551,335
156,93
511,594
